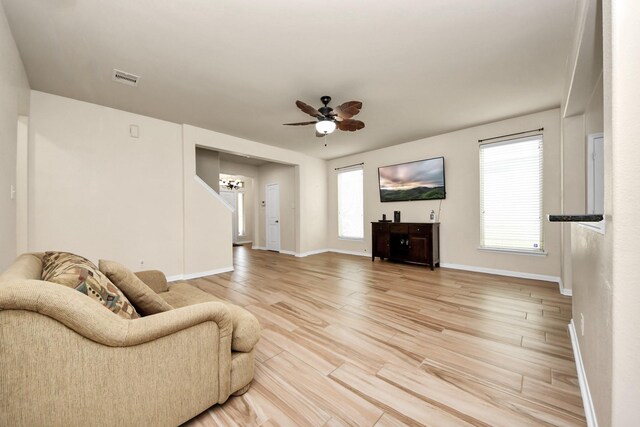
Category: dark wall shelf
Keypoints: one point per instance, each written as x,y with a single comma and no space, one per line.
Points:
575,218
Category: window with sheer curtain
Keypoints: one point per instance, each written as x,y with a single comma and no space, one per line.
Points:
511,195
350,204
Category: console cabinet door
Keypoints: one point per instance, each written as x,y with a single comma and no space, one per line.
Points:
380,240
418,248
382,245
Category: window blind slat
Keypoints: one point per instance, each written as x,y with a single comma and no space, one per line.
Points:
511,194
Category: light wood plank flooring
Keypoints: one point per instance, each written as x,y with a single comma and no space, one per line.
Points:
349,342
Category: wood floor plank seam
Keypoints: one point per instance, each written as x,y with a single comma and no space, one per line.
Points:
459,414
350,342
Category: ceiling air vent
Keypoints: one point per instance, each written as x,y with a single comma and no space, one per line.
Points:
125,78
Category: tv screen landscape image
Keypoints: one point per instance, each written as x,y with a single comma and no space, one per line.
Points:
420,180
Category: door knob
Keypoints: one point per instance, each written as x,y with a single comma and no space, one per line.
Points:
277,221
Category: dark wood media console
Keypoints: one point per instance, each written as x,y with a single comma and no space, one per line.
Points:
406,241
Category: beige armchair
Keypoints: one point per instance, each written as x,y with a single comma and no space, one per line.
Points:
65,360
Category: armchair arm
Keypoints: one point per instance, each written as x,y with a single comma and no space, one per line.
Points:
89,319
154,279
162,369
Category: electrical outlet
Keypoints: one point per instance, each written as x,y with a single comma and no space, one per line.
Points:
141,263
581,324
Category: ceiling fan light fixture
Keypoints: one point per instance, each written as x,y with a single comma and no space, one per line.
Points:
326,119
325,126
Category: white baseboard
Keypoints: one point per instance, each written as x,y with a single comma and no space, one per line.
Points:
498,272
297,254
589,410
244,242
358,253
509,273
309,253
563,290
338,251
197,275
316,252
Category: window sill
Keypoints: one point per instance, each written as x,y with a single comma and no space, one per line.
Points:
514,251
352,239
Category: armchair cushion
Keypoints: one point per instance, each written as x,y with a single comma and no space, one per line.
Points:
82,275
143,298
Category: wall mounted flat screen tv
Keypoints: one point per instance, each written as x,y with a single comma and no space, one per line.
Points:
420,180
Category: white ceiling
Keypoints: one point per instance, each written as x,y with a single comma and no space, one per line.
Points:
420,67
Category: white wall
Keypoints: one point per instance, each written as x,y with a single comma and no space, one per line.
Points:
460,214
208,167
310,178
98,192
284,176
208,230
591,262
573,184
594,114
234,168
583,71
622,127
14,101
587,257
605,267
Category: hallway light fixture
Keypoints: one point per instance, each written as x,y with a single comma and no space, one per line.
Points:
231,184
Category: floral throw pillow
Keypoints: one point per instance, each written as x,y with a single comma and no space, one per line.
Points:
79,273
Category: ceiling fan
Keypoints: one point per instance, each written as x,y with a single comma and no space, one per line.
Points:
328,119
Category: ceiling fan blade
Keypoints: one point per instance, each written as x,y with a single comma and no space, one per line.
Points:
350,125
299,124
348,109
308,109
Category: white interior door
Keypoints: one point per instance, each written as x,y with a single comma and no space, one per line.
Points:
273,217
230,198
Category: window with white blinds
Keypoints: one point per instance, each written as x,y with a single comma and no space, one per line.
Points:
350,204
511,195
